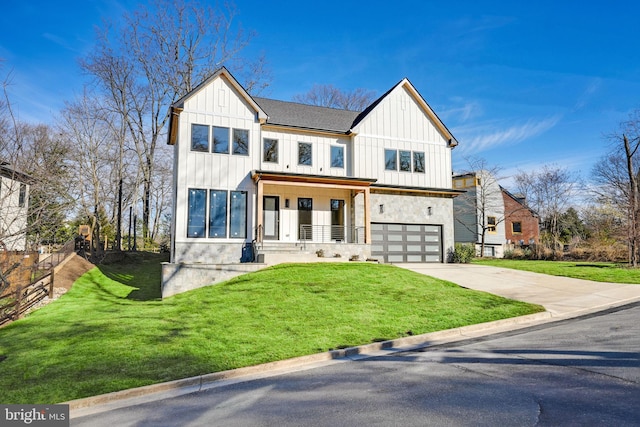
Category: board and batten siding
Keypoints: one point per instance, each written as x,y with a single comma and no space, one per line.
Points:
400,123
320,147
217,104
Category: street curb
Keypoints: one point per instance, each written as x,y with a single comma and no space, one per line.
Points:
201,382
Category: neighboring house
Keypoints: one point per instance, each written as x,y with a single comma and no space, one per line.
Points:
257,178
14,204
522,225
480,211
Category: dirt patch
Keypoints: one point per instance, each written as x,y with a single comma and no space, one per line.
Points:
71,271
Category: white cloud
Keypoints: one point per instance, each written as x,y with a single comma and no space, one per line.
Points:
482,138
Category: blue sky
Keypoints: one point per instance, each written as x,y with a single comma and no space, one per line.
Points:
519,85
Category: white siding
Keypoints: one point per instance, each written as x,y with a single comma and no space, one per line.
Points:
13,217
321,153
399,122
217,104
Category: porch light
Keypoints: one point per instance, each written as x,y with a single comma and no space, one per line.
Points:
429,211
381,208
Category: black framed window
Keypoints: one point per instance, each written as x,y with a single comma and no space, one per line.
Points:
238,214
217,213
391,160
220,140
200,138
270,150
241,142
418,161
304,153
22,196
197,214
337,156
405,161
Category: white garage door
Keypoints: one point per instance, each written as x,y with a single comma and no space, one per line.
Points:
406,242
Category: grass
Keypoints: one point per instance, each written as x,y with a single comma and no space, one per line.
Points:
596,271
112,332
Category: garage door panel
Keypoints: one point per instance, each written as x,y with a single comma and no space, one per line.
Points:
406,242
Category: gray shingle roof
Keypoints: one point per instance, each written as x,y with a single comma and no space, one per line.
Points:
305,116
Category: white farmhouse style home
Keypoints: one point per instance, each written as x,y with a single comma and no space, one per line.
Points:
258,179
14,205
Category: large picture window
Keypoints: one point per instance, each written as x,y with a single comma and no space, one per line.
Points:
337,156
200,138
217,214
304,154
220,140
270,150
196,218
391,160
238,214
241,142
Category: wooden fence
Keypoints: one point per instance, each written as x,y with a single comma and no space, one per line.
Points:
14,303
31,282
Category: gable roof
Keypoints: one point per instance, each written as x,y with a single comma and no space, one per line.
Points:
292,114
304,116
405,83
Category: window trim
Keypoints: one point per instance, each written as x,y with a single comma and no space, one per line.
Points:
202,148
210,217
189,213
213,137
306,144
264,150
492,227
243,216
395,159
414,159
513,228
331,156
407,166
234,150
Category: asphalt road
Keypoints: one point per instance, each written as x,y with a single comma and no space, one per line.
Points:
578,372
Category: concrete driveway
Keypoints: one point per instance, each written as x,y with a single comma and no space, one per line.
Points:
561,296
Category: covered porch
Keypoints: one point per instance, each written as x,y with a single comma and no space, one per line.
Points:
308,210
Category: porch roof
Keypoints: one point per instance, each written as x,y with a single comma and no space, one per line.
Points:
304,179
431,190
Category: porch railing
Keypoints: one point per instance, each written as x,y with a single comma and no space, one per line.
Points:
331,233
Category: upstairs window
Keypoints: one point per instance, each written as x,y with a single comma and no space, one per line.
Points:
491,224
516,227
241,142
200,138
270,150
337,156
405,161
418,161
304,154
391,160
220,140
22,196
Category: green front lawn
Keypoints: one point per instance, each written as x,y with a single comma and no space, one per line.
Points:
111,331
596,271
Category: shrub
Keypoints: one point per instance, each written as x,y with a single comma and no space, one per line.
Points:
463,253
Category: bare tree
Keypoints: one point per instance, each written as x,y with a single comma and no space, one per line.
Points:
330,96
481,208
618,179
157,55
549,191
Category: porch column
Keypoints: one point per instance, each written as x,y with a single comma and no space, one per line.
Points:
259,208
367,217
